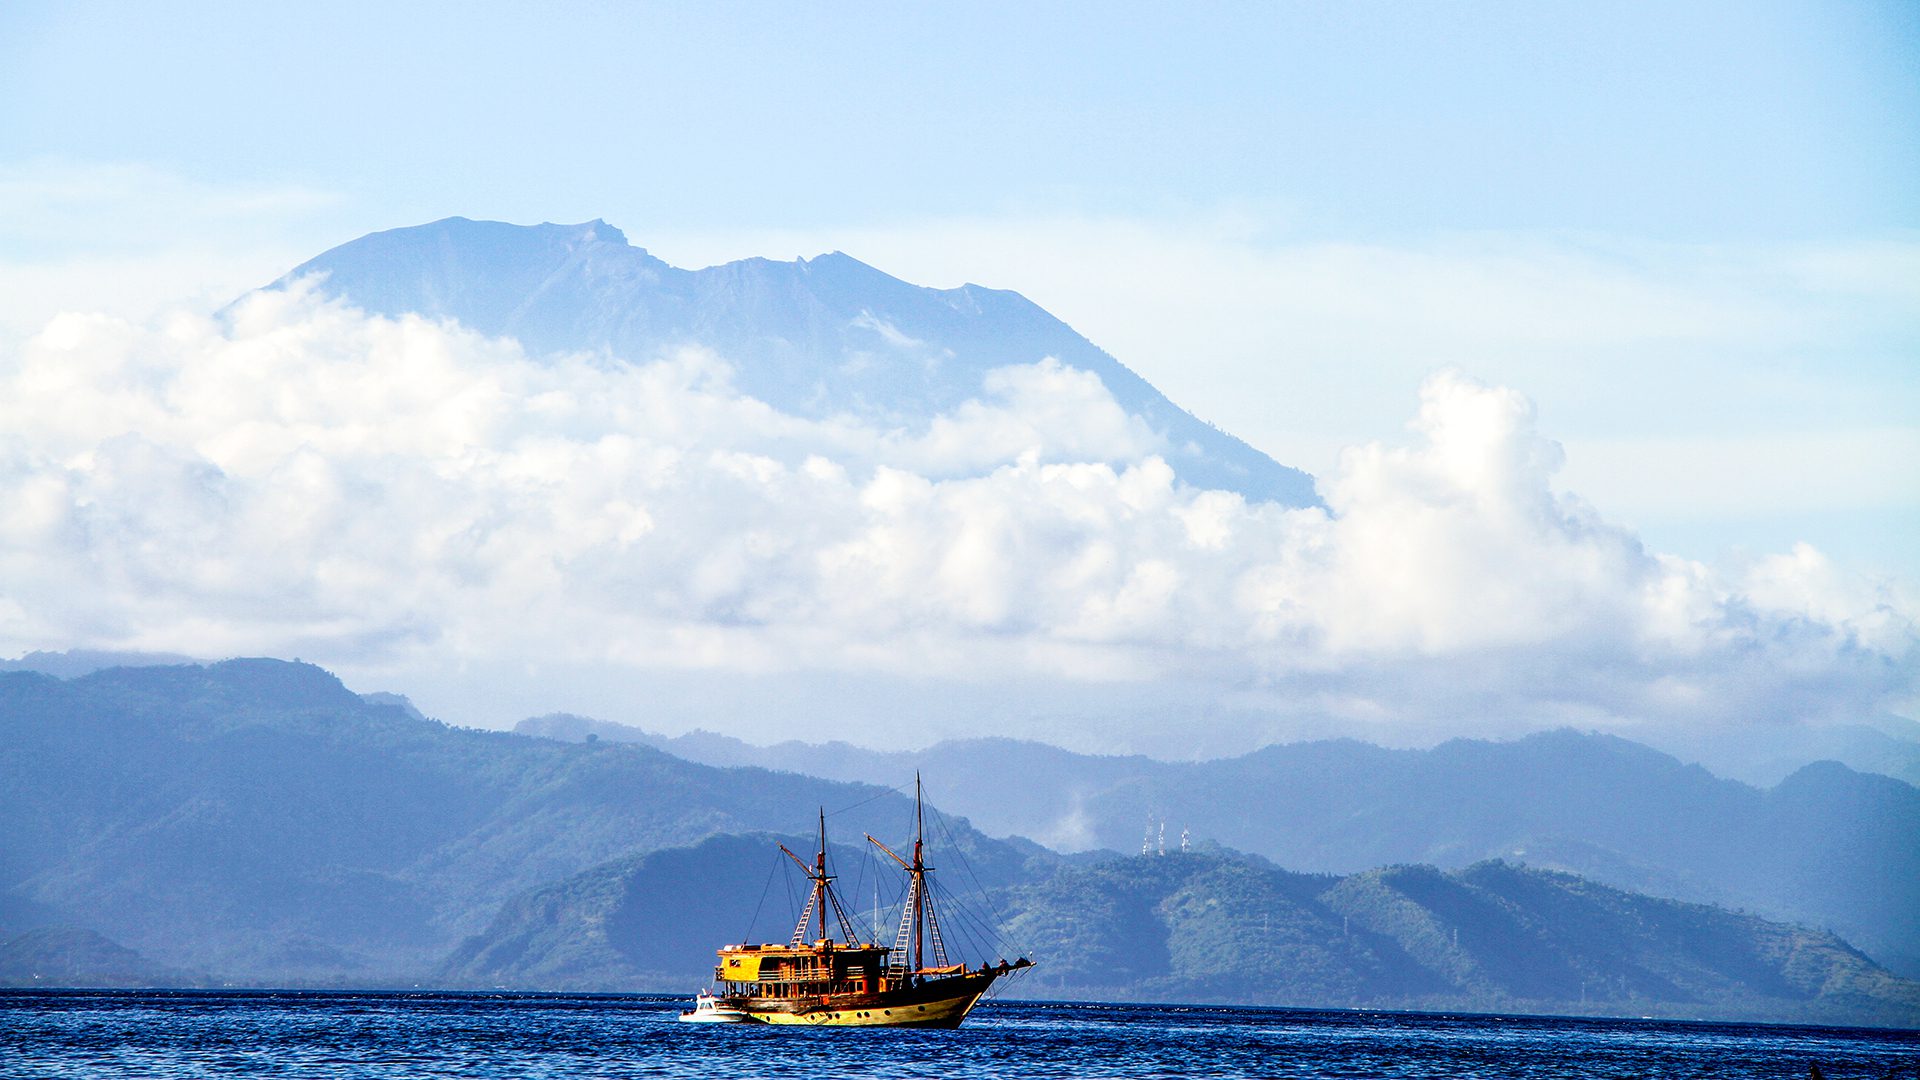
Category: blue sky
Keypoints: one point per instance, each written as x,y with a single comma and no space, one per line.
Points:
1703,121
1689,233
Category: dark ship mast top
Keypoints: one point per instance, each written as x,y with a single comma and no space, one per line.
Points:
823,896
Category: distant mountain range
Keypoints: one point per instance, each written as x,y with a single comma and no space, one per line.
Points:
73,663
1219,927
1765,756
653,920
1828,846
814,337
1488,937
258,821
68,956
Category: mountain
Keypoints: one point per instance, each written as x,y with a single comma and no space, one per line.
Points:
652,921
1488,937
257,819
72,663
1595,805
1220,927
814,337
68,956
1766,756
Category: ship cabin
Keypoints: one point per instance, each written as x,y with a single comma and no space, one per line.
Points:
785,971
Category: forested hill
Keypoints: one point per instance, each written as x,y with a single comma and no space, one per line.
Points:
1220,927
1488,937
255,822
1596,805
257,819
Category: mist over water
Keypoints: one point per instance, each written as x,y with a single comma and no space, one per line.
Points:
328,1035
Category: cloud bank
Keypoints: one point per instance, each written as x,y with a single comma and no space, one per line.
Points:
1769,385
298,478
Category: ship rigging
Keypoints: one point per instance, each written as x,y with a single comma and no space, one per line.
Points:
846,982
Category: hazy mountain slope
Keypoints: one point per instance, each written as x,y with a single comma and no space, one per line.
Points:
73,663
1828,846
258,819
814,337
653,921
67,956
1766,756
979,770
1219,927
1491,936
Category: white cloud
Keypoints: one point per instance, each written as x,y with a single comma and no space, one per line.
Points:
304,479
1771,382
1630,346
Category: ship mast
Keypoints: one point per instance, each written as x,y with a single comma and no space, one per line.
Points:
820,872
822,896
919,915
919,876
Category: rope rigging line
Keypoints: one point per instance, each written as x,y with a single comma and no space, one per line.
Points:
941,909
840,916
998,918
961,924
970,924
876,797
859,881
994,934
786,879
764,890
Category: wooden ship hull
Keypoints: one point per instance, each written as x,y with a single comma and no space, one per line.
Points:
937,1003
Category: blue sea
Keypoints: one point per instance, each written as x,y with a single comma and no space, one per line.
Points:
166,1034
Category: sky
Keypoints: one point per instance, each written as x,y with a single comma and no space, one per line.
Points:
1686,236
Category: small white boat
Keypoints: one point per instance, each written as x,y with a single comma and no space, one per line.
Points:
708,1010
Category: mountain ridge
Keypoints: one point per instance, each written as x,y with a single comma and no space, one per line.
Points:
1218,926
258,818
1601,806
814,337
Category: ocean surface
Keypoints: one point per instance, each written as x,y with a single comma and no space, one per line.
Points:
166,1034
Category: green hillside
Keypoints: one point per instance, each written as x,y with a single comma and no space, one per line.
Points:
257,819
653,921
1226,928
1594,805
1490,937
68,956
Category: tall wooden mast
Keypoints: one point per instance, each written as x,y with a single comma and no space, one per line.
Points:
919,876
820,874
916,918
822,896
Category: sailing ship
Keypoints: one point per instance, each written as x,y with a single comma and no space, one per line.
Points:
819,980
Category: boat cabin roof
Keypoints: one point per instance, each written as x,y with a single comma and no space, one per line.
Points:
772,950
